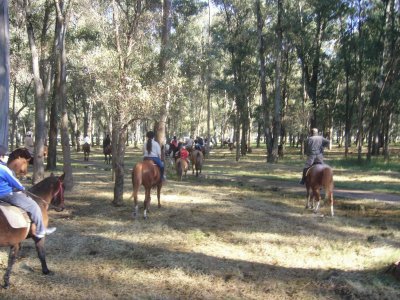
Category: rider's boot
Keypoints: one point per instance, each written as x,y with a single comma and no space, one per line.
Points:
303,179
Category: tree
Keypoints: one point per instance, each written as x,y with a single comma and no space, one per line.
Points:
4,73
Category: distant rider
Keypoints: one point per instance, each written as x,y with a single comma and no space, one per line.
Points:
314,147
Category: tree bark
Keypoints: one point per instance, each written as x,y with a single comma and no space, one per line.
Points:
62,21
4,72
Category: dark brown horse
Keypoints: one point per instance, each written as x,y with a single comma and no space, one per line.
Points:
48,192
197,159
319,176
86,151
182,167
145,173
107,154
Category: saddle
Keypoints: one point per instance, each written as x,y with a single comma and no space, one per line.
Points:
16,217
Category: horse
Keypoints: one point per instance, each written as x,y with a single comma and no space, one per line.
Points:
182,167
48,192
319,176
107,154
197,158
145,173
18,161
86,151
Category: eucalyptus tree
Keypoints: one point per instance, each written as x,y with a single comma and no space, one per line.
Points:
131,41
236,35
4,72
41,73
310,20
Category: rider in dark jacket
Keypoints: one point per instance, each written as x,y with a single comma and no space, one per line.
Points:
314,148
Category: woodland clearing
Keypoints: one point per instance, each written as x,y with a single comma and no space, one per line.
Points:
239,231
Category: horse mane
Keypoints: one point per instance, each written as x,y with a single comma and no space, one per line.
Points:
39,187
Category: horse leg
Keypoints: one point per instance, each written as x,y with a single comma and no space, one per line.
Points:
39,244
308,198
158,194
12,256
146,203
135,202
317,198
330,195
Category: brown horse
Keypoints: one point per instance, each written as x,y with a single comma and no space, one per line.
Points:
86,151
107,154
317,177
197,159
145,173
182,167
48,192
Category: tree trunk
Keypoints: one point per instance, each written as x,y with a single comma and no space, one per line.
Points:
61,93
277,107
40,102
4,72
165,34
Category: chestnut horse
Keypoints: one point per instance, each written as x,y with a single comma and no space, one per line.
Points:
145,173
86,151
107,154
197,159
182,167
48,192
319,176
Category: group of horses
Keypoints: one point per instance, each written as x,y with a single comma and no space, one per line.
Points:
50,193
106,151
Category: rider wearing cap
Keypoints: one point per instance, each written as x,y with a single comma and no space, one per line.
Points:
28,142
314,148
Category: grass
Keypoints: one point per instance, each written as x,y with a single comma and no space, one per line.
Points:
239,231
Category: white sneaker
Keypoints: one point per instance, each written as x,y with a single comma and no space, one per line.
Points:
48,231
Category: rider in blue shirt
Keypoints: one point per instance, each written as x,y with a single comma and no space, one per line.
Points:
11,191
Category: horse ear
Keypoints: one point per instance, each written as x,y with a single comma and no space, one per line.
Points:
61,178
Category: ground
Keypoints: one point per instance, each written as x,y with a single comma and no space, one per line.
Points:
239,231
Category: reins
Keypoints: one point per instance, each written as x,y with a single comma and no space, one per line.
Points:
59,191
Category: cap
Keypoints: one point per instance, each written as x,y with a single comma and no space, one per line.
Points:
314,131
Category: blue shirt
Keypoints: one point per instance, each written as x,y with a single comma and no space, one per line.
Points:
8,182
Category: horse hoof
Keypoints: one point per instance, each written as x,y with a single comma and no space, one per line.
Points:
6,286
47,272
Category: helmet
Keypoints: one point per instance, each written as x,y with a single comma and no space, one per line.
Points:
314,131
29,133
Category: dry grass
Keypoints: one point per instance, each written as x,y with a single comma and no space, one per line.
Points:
230,234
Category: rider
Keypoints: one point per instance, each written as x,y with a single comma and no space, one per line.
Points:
28,142
199,143
314,148
86,140
106,141
184,154
152,150
11,192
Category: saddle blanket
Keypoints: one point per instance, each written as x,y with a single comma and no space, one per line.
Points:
16,217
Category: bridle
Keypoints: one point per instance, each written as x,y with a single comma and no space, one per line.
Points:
60,191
